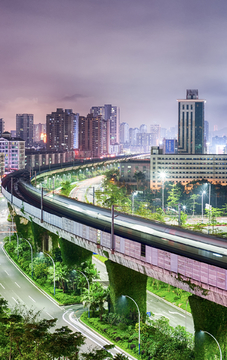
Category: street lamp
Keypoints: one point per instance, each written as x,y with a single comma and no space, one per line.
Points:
184,208
206,332
88,307
133,194
31,254
204,192
163,177
53,265
138,317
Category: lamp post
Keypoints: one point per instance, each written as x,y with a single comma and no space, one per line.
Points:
138,318
54,268
163,177
184,208
206,332
204,192
31,254
88,307
133,194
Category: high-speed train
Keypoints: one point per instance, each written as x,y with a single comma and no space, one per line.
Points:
201,247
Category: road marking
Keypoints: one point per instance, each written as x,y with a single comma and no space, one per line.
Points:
6,272
15,300
17,284
176,313
2,286
31,298
49,315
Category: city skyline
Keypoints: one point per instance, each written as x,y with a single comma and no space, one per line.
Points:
141,56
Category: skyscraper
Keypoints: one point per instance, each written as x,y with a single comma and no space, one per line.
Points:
155,131
112,114
2,126
124,133
191,124
93,135
59,128
24,128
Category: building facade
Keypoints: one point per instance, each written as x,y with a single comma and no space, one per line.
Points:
2,126
112,114
93,136
24,128
191,124
14,152
124,133
186,168
59,128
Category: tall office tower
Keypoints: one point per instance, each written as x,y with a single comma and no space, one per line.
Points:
133,136
76,131
2,126
93,135
24,128
59,128
191,124
143,128
155,131
112,114
124,133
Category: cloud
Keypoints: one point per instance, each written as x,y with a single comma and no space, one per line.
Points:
74,97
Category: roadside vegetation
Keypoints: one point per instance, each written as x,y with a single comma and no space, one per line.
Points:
69,282
158,339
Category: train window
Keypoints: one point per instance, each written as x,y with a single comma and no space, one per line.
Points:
143,250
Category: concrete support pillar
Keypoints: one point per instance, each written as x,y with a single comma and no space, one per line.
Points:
212,318
125,281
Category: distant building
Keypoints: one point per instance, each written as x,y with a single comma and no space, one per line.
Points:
155,131
124,133
129,167
13,133
112,114
24,128
76,131
191,124
93,136
143,128
2,126
36,159
59,129
39,133
14,152
133,136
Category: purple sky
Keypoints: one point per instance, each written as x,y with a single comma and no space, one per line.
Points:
140,55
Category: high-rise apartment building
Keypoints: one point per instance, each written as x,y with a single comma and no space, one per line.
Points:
93,135
124,133
191,124
2,126
59,128
112,114
13,150
76,131
155,131
133,136
143,128
24,128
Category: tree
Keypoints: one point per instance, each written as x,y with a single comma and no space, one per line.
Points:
193,198
24,336
174,196
61,274
96,297
139,176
